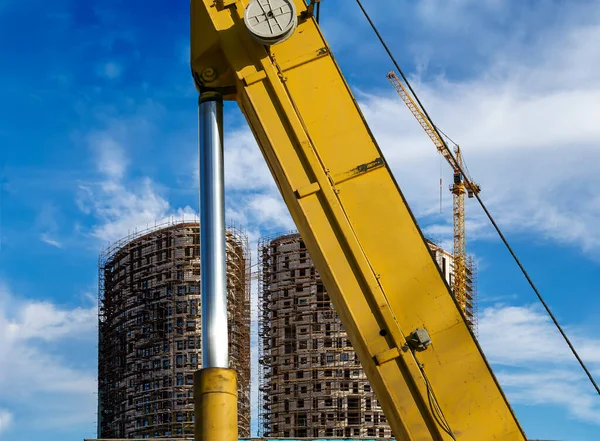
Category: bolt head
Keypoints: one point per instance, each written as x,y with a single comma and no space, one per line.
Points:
209,74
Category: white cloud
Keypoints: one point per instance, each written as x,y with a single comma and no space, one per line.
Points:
527,130
271,212
531,328
121,207
553,387
459,12
33,368
245,168
44,321
6,420
110,70
47,222
50,241
252,199
533,363
111,157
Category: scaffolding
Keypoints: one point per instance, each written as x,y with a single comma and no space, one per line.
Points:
311,381
150,330
472,293
445,261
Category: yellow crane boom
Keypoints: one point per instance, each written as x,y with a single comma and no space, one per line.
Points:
458,189
427,370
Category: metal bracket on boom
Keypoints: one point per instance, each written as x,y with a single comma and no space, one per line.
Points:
222,4
419,339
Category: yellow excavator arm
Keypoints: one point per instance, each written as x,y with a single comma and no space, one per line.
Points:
426,368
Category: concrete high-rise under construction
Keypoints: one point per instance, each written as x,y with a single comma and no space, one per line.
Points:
311,382
445,261
150,331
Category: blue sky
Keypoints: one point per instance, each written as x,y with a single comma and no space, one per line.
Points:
98,138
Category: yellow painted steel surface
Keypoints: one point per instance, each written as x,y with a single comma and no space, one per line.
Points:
215,405
357,227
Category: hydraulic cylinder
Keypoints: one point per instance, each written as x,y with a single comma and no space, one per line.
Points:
215,385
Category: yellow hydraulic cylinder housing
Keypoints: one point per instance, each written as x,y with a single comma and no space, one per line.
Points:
426,368
215,405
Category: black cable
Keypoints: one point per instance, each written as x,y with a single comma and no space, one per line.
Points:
588,373
438,414
457,165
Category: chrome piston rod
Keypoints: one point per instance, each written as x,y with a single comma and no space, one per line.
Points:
212,233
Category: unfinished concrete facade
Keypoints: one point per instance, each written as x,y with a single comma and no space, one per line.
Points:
311,382
150,331
445,261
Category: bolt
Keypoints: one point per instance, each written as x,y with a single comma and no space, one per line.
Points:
209,74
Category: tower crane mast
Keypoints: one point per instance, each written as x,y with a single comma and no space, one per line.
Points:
458,189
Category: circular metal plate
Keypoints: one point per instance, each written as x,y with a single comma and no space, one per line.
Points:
271,21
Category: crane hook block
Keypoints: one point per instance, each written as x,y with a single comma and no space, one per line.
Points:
271,22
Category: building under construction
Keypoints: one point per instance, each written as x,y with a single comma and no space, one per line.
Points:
311,381
150,331
445,261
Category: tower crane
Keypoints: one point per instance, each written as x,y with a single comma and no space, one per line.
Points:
458,189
